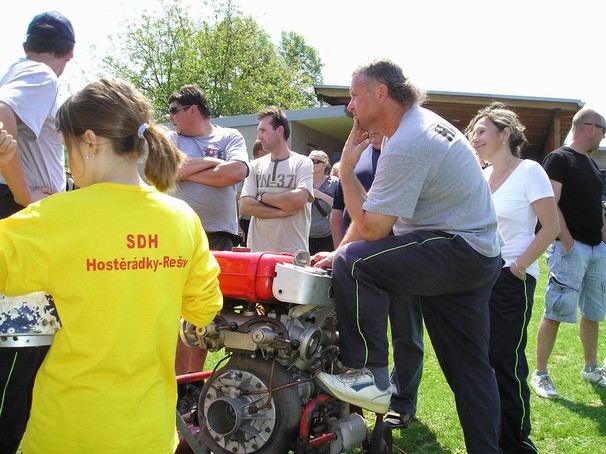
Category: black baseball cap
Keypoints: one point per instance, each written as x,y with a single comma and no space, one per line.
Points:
61,27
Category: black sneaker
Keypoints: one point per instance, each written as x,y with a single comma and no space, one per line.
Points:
399,420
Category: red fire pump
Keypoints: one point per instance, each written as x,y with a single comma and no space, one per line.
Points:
278,327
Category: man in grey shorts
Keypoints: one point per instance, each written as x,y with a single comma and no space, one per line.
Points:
577,258
430,190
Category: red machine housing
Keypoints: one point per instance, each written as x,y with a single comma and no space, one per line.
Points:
248,275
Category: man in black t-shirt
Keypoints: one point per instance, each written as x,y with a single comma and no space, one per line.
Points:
577,258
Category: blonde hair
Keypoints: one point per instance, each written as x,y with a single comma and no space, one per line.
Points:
321,154
334,171
502,117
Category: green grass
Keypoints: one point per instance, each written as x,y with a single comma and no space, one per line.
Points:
576,423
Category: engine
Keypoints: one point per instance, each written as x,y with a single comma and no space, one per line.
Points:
278,326
274,307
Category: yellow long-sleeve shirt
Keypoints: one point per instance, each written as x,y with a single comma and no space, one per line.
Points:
123,264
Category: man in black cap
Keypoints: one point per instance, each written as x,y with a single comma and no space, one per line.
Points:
28,103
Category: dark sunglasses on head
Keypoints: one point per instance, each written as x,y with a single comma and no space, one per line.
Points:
173,110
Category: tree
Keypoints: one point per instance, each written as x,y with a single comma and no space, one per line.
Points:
232,59
305,67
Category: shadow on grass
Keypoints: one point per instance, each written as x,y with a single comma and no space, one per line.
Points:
594,413
416,438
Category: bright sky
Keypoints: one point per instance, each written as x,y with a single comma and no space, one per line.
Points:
537,48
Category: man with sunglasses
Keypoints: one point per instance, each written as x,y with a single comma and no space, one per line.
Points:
217,162
577,258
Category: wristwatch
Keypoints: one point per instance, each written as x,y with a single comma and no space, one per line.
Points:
260,196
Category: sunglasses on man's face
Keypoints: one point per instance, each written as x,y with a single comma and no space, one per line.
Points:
173,110
597,125
317,161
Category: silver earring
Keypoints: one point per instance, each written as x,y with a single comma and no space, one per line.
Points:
90,157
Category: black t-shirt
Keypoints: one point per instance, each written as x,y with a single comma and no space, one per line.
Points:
581,196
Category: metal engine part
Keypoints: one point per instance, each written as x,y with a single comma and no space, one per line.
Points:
351,432
278,340
249,406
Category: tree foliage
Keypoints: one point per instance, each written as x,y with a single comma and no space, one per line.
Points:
229,56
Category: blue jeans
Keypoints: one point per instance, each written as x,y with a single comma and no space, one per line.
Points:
577,277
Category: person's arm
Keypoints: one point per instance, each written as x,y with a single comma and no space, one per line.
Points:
249,205
291,200
370,226
12,170
214,172
201,296
194,165
324,259
564,236
323,196
8,146
336,226
547,212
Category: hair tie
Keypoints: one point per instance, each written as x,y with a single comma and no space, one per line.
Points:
142,130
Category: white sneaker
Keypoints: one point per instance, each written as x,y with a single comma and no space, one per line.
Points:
356,387
595,377
543,386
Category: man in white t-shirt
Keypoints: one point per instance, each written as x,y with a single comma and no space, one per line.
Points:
28,104
279,190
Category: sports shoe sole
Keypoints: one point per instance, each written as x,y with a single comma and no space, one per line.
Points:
376,407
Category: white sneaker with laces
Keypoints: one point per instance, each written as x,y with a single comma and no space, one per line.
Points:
543,386
595,377
356,387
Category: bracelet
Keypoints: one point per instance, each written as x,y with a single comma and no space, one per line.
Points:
515,262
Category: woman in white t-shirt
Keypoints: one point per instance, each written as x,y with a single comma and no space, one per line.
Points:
522,194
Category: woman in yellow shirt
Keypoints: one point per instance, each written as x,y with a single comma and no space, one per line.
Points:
124,262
